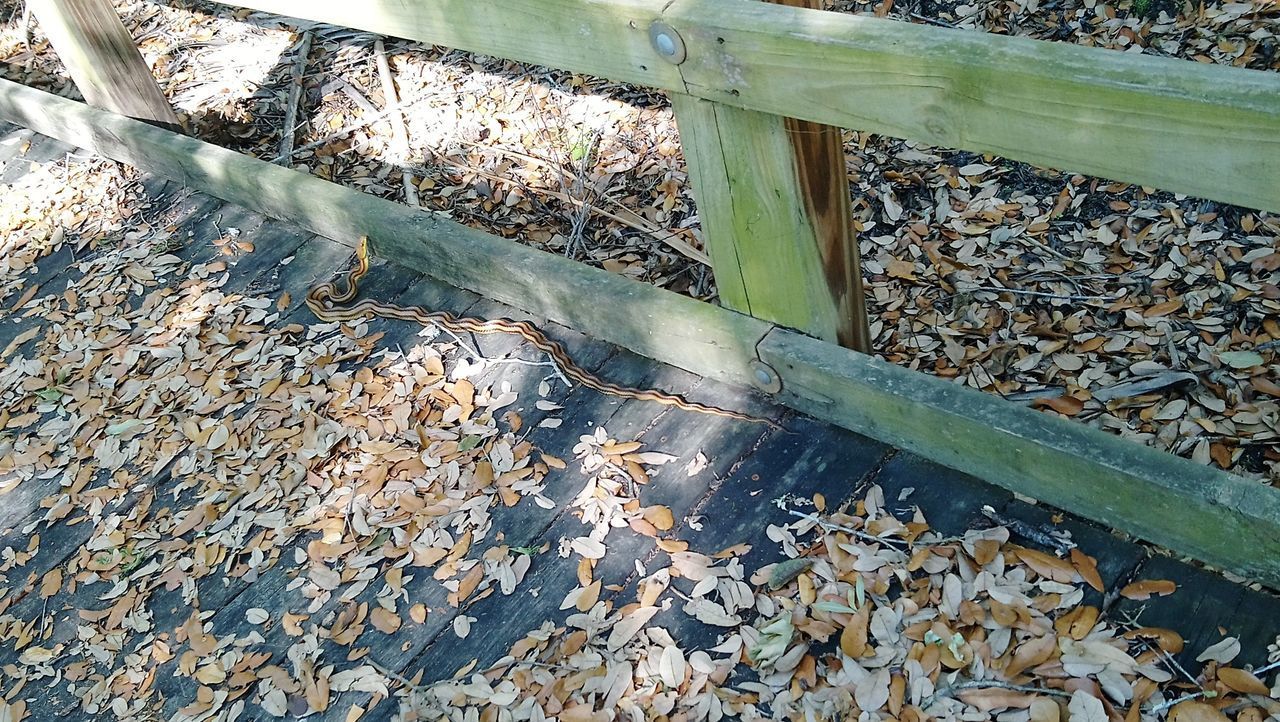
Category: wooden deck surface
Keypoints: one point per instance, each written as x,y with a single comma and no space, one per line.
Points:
729,502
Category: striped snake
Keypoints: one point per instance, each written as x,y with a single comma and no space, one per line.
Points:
329,303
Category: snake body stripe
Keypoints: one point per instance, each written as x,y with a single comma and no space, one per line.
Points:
331,303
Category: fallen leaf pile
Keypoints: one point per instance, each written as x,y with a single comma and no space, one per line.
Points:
1146,314
868,616
174,438
53,207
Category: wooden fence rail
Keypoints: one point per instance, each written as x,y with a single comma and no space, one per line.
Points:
759,90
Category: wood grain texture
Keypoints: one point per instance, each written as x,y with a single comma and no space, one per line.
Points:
102,59
608,38
773,199
650,321
1205,130
1192,509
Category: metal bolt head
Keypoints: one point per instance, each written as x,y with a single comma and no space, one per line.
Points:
667,42
764,377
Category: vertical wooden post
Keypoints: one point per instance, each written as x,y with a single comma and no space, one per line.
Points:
773,197
103,60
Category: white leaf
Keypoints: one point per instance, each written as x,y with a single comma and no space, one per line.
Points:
671,666
872,692
257,616
1084,707
462,625
588,547
1222,652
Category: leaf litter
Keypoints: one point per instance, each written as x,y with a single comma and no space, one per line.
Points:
179,434
1143,313
286,440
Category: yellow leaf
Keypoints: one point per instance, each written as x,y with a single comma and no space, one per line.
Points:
589,597
660,517
385,620
1242,681
51,584
853,639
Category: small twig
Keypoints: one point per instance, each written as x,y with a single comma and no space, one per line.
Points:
1038,294
1052,540
348,130
399,135
993,684
296,81
478,357
932,21
1268,668
1267,346
391,674
836,527
350,90
1157,709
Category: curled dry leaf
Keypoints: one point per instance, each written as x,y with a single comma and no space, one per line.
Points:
1242,681
1222,652
1195,711
1147,588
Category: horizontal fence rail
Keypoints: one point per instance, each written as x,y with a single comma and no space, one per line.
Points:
1193,128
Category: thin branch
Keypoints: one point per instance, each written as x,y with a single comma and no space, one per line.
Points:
836,527
993,684
348,129
480,358
1038,294
1267,668
399,135
1157,709
297,76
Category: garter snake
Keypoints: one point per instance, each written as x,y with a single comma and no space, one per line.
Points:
331,303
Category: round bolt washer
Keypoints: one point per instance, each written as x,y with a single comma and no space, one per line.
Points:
764,377
667,42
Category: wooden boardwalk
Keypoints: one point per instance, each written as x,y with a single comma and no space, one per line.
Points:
730,501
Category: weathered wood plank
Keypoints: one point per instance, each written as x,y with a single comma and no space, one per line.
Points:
1193,509
1204,609
773,198
1194,128
609,39
102,59
652,322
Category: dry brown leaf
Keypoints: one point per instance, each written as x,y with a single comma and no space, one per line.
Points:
1049,567
853,638
384,620
590,595
1147,588
1087,567
1242,681
660,517
1193,711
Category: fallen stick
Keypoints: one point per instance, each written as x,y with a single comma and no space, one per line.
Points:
296,77
399,136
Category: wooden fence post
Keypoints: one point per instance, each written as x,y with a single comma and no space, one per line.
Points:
103,60
773,197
